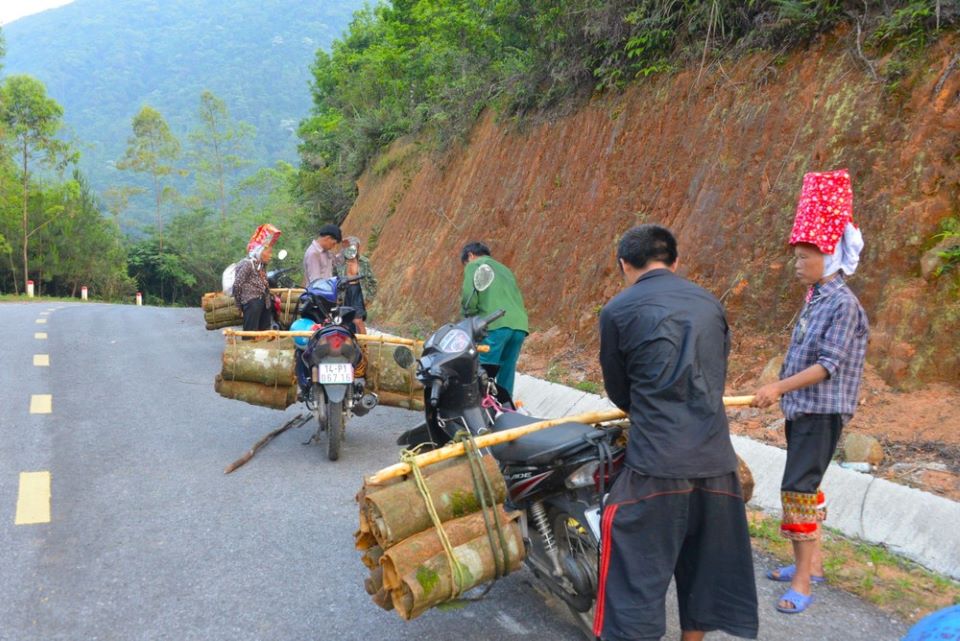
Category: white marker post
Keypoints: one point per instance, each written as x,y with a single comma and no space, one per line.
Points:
29,289
139,299
83,293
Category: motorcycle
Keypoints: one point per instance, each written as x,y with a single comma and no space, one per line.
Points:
556,477
328,363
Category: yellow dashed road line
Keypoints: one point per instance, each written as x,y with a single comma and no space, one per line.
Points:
46,313
33,499
41,403
41,360
40,336
41,321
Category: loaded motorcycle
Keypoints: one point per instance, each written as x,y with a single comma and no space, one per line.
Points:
556,477
330,364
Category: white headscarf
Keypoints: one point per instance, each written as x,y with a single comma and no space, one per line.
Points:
846,256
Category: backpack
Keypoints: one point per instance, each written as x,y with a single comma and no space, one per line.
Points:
229,275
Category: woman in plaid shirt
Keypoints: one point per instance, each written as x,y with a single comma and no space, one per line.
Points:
820,378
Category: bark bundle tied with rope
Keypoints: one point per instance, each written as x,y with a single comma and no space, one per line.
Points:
220,310
436,534
263,371
258,372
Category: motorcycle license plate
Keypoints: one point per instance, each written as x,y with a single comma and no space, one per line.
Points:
593,520
334,373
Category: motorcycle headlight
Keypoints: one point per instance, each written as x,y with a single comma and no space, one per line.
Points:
583,476
454,342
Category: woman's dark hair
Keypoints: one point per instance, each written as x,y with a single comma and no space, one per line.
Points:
475,248
647,243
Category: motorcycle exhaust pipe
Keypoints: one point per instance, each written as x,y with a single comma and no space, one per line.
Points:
367,402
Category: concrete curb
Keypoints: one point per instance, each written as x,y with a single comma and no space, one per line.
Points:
918,525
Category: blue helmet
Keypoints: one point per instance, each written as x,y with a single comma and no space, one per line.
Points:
302,325
942,624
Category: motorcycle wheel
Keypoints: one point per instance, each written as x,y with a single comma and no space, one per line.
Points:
577,544
334,429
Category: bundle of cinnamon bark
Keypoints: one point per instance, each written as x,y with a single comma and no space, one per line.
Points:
411,570
220,310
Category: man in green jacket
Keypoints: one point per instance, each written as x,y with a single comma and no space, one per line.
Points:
506,334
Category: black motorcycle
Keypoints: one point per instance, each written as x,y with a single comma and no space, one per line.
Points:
556,477
329,363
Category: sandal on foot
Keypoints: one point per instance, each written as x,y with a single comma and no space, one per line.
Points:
799,601
786,573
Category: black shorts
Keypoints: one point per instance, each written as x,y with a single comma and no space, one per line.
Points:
692,529
811,442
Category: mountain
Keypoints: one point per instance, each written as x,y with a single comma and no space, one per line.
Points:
103,59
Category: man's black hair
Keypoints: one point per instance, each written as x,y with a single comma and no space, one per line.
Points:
476,248
331,230
647,243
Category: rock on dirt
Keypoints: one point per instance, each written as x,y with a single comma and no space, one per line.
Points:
862,448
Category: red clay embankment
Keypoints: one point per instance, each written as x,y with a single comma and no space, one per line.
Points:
720,162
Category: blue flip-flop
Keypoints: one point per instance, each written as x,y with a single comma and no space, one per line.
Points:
800,602
785,574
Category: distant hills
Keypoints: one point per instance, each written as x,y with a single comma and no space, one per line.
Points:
103,59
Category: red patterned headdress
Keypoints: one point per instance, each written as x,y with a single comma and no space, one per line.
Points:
264,236
825,208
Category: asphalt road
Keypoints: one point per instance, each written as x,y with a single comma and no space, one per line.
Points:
148,539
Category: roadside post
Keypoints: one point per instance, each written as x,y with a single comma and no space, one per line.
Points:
139,299
83,293
29,289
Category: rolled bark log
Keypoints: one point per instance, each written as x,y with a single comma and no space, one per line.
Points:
223,314
271,363
374,583
384,375
224,324
216,300
371,558
394,399
398,511
288,297
405,557
420,570
383,599
278,398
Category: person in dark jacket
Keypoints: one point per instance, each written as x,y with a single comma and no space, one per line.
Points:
677,508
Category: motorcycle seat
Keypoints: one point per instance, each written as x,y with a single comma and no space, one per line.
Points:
540,447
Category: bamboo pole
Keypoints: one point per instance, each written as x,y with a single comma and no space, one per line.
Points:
363,338
489,440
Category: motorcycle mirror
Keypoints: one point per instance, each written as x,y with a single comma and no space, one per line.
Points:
281,254
403,357
483,277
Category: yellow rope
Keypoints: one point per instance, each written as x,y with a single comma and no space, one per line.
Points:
456,572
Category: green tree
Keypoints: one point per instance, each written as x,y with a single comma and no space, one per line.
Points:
219,148
31,120
153,150
118,200
95,255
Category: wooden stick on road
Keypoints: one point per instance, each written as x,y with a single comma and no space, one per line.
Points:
296,421
498,438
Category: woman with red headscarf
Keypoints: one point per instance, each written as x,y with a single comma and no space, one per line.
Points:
820,378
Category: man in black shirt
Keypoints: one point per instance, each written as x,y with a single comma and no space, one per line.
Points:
677,509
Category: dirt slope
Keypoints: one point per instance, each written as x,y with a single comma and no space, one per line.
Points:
720,162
